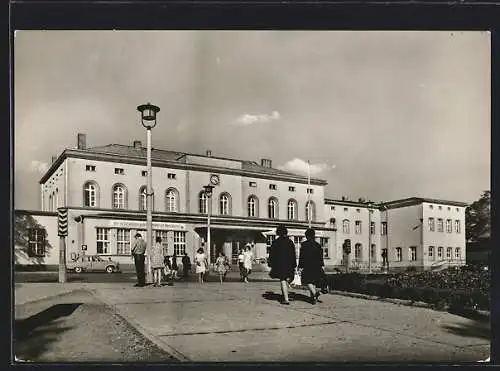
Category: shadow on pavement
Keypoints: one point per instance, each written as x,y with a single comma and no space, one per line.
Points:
33,334
293,296
479,327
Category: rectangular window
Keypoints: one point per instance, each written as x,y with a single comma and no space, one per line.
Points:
164,240
440,252
448,226
171,176
431,207
448,253
291,189
179,242
383,227
440,207
357,229
345,209
431,253
36,242
440,225
373,252
252,184
272,186
345,227
89,167
399,254
119,171
372,227
144,173
323,241
449,208
123,241
269,241
310,190
457,226
431,224
413,253
458,254
332,208
457,209
358,210
102,240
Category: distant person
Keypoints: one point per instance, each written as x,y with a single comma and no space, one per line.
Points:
175,267
282,260
221,266
168,269
311,263
247,262
157,262
186,265
241,258
138,251
200,260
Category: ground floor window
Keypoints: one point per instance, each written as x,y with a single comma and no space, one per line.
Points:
269,241
399,254
323,241
431,253
102,240
164,240
458,254
36,242
413,253
123,241
448,253
179,243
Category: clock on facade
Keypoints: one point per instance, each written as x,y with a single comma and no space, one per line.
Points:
214,179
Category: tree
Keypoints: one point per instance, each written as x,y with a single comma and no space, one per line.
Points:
478,218
22,226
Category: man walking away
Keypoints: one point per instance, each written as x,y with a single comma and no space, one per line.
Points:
186,265
241,258
138,251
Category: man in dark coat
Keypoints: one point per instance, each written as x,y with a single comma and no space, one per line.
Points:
311,262
186,265
138,251
282,260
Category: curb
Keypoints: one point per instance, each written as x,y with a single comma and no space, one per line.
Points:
143,331
50,296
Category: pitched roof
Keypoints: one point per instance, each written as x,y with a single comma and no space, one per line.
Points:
123,150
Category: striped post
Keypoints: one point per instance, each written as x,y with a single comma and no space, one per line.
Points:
62,231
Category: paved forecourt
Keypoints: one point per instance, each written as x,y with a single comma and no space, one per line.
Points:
245,323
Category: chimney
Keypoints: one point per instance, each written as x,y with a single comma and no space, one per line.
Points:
265,162
209,153
361,199
82,141
137,145
343,198
54,158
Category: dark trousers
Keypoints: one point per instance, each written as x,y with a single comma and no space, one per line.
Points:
185,271
139,268
242,270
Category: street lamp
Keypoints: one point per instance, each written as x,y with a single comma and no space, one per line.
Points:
148,120
208,193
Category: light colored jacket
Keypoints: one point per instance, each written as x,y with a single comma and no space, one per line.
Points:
139,246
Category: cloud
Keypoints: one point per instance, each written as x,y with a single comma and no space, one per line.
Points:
247,119
38,166
300,166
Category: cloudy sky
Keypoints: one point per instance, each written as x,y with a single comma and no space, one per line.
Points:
380,115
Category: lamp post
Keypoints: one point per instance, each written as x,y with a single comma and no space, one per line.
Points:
208,193
148,120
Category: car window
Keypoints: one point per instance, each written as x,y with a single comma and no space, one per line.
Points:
94,259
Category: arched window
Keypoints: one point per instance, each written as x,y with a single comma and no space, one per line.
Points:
119,200
292,210
225,204
90,194
272,208
203,204
143,199
358,252
171,200
253,206
313,211
345,226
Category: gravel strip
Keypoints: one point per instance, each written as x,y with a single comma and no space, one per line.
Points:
78,327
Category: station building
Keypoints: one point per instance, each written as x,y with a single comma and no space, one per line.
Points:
104,190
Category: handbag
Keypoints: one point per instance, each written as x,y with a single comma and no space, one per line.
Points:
296,279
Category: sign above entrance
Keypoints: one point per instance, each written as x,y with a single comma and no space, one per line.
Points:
133,224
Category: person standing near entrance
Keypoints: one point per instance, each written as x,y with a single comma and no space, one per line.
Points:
221,266
282,260
201,264
157,262
241,258
247,262
138,251
311,262
186,265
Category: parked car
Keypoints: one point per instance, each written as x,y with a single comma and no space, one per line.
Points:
92,263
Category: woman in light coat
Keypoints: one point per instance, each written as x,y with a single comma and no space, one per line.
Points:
201,262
